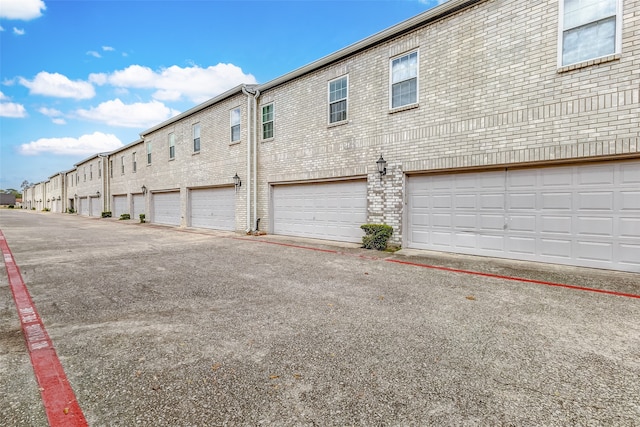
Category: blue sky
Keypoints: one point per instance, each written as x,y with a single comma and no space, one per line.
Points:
79,77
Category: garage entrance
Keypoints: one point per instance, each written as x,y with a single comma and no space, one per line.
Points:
213,208
166,208
584,215
323,210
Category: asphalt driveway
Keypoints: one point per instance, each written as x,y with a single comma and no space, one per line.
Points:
157,326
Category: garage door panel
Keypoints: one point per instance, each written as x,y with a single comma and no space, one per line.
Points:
213,208
332,210
119,205
138,205
586,215
630,228
166,208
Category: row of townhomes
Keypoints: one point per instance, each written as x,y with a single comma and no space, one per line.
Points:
501,128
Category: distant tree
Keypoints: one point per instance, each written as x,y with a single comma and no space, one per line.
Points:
13,191
25,184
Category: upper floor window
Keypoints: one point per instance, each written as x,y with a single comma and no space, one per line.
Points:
99,169
338,99
196,138
122,165
589,29
110,168
134,163
148,153
90,172
84,174
235,124
172,146
267,121
404,80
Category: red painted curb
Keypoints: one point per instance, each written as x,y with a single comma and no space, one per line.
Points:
59,401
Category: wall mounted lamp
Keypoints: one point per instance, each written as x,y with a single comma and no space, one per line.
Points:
75,196
144,189
98,193
382,166
236,181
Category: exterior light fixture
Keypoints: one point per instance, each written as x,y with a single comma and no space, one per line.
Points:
236,181
75,196
98,193
144,189
382,166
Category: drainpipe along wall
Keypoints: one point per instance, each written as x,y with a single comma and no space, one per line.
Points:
248,176
255,157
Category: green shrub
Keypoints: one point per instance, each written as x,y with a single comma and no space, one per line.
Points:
125,216
376,236
71,210
33,209
142,217
46,210
106,214
11,206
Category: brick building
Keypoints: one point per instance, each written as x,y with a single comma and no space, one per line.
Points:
501,128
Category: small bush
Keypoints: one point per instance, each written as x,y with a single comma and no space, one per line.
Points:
106,214
125,216
71,210
376,236
46,210
33,209
142,217
11,206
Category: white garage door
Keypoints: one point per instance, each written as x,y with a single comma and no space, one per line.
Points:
83,206
332,211
95,204
138,206
213,208
166,208
587,215
120,206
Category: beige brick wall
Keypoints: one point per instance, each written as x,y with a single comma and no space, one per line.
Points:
490,93
215,165
91,180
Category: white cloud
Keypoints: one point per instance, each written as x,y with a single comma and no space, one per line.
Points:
12,110
23,10
94,54
195,83
97,142
57,85
3,97
50,112
137,115
59,121
18,31
108,48
1,28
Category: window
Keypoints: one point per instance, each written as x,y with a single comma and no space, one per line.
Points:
589,30
148,153
134,163
90,172
404,80
99,169
196,138
235,125
110,168
338,99
122,165
172,146
84,174
267,121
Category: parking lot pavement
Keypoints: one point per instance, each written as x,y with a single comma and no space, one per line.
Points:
159,326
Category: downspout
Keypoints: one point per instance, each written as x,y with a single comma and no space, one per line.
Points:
255,158
248,179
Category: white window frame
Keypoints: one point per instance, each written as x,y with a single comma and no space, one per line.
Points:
149,151
235,125
121,165
346,99
561,30
172,146
134,165
195,130
417,77
272,121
